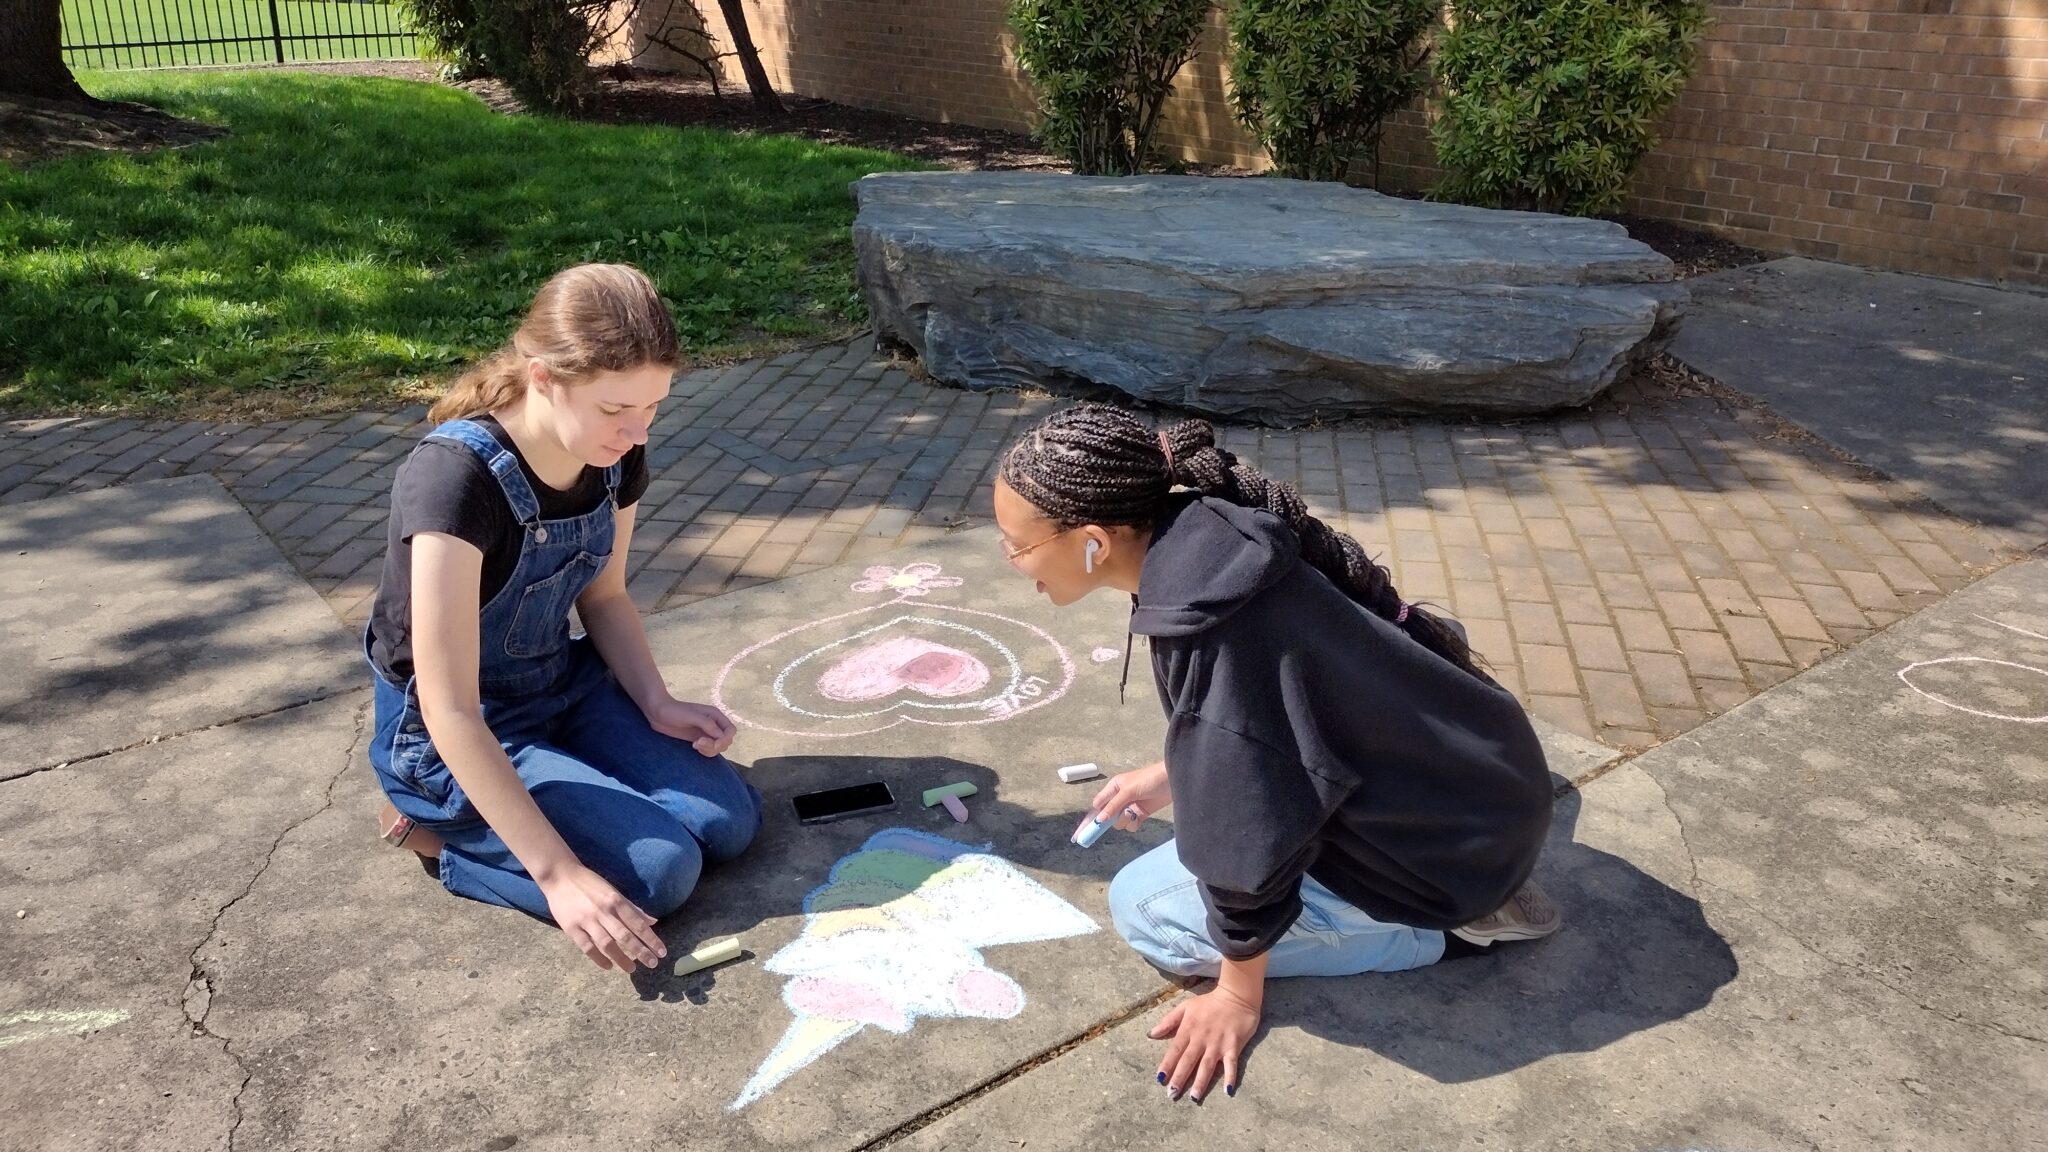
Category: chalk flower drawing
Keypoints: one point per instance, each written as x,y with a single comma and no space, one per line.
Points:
910,580
905,660
895,934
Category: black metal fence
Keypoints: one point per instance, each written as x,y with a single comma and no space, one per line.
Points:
183,33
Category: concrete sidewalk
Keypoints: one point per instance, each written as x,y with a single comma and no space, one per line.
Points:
1807,924
1812,917
1941,385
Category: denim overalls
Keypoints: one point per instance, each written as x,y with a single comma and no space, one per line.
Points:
641,809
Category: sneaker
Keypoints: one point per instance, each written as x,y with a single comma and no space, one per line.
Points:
1529,915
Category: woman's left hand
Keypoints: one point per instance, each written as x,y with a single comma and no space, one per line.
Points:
707,729
1209,1033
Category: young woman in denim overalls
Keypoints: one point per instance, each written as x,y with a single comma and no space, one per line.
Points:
532,769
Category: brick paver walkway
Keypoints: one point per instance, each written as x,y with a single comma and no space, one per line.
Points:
1628,571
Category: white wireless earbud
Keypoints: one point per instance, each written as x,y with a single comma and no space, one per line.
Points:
1088,555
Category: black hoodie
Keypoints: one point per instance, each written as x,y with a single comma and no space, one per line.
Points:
1305,734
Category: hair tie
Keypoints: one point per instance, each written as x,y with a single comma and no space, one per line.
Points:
1401,617
1168,449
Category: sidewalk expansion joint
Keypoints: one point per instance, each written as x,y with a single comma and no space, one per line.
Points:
926,1119
163,736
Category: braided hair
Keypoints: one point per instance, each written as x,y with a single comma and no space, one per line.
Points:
1097,464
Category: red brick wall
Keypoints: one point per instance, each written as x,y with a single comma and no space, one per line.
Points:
1908,134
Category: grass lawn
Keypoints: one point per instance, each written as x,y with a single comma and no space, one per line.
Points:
357,239
106,33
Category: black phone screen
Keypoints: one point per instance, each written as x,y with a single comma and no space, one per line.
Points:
834,803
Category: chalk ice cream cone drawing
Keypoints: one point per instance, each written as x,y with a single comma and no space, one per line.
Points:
895,934
905,660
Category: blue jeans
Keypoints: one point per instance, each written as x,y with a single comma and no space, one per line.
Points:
643,810
1157,906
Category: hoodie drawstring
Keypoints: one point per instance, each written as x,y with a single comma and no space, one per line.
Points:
1126,677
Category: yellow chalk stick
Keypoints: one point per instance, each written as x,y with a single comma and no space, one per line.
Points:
707,955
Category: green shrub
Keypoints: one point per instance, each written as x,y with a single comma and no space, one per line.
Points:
539,48
1548,104
1103,69
1313,79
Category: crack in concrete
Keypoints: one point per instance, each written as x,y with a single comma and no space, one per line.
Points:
975,1092
199,983
1684,841
163,736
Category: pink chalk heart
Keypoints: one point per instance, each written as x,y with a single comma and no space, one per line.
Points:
903,662
980,992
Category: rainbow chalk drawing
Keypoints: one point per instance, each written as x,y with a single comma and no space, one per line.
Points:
895,934
23,1027
905,660
1987,687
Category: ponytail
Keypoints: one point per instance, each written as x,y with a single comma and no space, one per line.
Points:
1095,464
487,387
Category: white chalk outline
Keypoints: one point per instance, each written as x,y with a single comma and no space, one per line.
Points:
2009,627
2041,719
1051,694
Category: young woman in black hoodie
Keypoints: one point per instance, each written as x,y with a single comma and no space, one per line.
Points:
1351,793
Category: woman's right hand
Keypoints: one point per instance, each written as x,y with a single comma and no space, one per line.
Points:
1134,796
601,923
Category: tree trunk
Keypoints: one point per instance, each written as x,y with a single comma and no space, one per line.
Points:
765,98
31,60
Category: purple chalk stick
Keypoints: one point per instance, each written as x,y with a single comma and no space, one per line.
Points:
954,806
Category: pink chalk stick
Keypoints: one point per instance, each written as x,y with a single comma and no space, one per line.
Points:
954,806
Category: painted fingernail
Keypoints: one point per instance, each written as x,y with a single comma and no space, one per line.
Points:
1230,1090
1162,1077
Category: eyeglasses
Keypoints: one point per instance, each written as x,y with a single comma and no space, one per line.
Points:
1011,552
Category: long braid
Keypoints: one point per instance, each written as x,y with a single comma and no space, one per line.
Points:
1096,464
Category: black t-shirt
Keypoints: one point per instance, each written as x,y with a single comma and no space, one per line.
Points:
445,487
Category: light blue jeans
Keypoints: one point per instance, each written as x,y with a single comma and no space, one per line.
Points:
1158,909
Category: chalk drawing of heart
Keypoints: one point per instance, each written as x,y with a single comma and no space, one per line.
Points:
901,663
906,660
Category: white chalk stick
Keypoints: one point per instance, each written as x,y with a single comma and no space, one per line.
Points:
706,955
1074,773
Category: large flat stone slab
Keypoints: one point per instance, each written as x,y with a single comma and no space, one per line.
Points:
122,867
1278,301
150,609
1813,922
372,1010
1940,384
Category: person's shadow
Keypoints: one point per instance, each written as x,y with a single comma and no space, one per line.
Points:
1634,953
